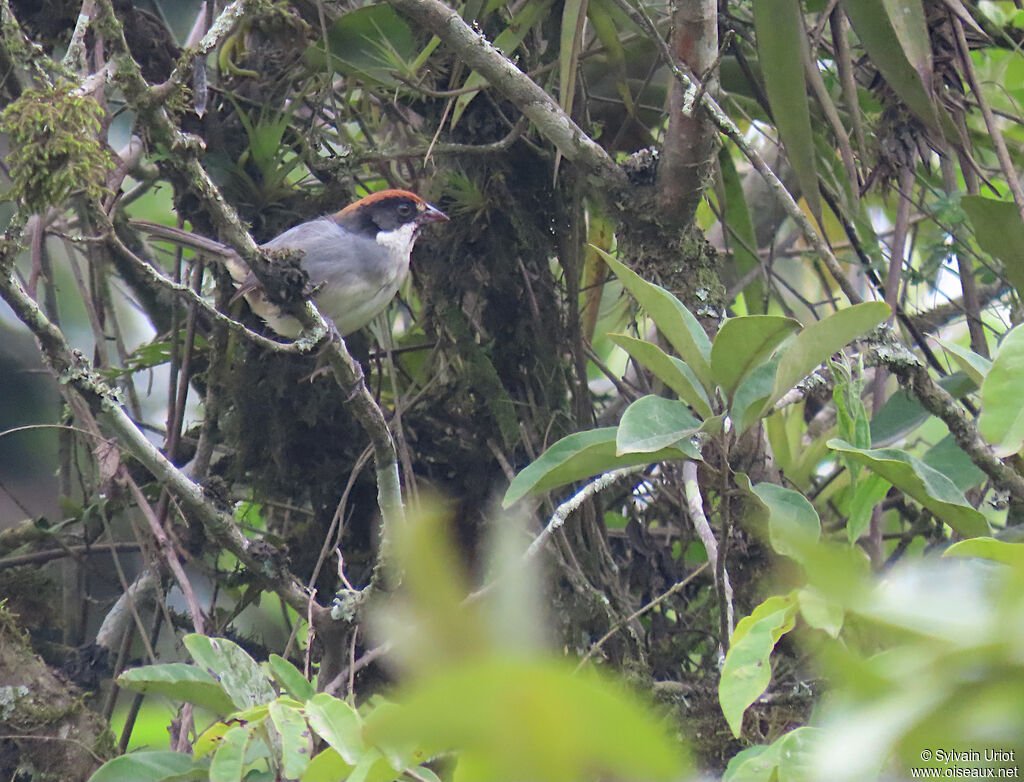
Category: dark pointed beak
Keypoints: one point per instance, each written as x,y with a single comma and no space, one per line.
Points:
431,214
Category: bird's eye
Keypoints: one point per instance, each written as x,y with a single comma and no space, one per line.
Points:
405,210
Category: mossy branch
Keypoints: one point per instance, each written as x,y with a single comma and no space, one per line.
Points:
913,375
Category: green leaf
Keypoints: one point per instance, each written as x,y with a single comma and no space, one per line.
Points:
327,766
740,235
908,23
229,664
758,763
678,324
180,681
950,459
875,30
793,523
574,14
820,340
1011,554
373,767
652,423
743,344
508,40
780,40
752,394
926,485
673,372
1002,415
338,724
788,759
866,496
228,762
747,671
532,720
820,612
976,367
144,766
998,230
902,413
296,742
578,456
290,678
371,42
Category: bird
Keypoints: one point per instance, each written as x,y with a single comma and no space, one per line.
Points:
356,258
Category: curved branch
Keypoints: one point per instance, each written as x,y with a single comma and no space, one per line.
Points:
346,370
540,108
936,400
73,371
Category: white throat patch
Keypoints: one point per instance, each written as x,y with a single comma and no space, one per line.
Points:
398,240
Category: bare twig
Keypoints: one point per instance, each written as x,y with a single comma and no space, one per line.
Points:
676,587
695,505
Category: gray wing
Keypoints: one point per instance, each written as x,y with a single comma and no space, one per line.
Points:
332,254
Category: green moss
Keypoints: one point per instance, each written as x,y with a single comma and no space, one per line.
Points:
54,146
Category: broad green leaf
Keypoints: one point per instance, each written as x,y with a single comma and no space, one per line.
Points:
290,678
752,394
876,32
780,40
673,372
819,612
144,766
296,741
373,767
950,459
758,763
793,523
508,40
739,231
989,548
747,670
926,485
180,681
975,366
578,456
533,720
1002,415
338,724
743,344
787,759
327,766
371,42
998,230
820,340
678,324
866,496
209,739
902,413
228,762
228,663
652,423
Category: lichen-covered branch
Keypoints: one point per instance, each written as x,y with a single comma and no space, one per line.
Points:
74,372
913,375
540,108
346,370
